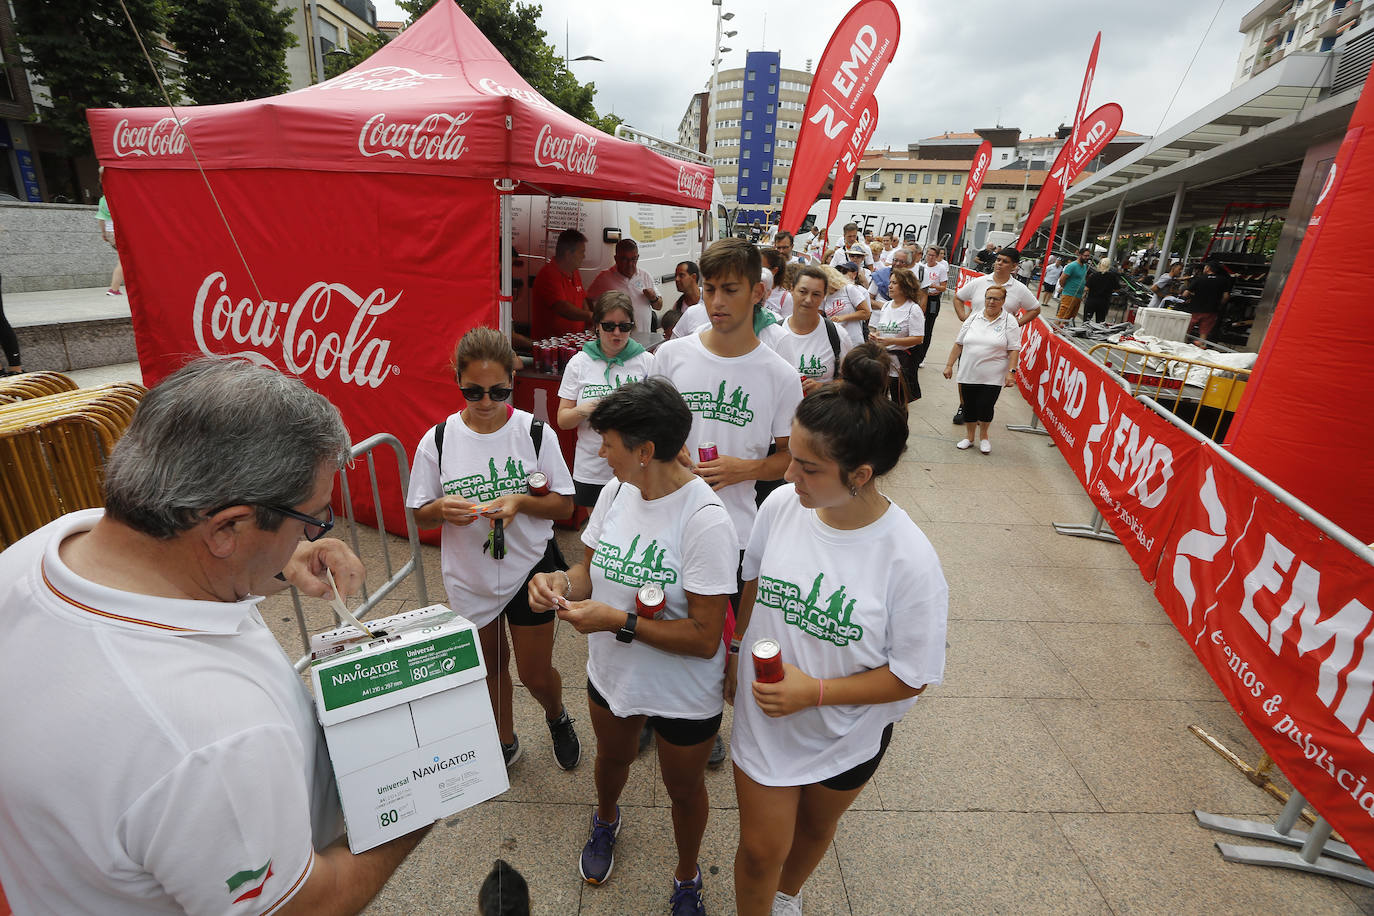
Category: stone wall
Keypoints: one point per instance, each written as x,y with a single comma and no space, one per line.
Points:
51,246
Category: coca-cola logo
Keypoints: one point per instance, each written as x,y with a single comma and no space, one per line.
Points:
354,356
434,137
575,154
377,79
164,137
691,182
491,87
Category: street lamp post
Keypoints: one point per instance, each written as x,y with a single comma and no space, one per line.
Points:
716,52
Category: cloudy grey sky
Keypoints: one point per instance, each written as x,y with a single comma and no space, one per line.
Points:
957,65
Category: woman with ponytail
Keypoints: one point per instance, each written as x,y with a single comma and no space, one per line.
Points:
851,592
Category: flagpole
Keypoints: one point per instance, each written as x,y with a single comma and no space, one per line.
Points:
1049,247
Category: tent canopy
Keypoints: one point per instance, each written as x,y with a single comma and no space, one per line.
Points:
438,100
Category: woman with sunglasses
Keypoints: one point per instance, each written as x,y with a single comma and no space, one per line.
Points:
472,476
602,366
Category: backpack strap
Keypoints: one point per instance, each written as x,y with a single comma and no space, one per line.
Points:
439,440
834,334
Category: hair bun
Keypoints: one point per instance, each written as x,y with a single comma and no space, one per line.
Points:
865,372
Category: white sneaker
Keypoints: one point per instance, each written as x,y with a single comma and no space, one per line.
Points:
964,443
784,905
985,447
922,365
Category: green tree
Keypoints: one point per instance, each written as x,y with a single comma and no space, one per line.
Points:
339,61
87,56
234,49
514,30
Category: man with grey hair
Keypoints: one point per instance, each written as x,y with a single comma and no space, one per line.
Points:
880,278
626,277
165,756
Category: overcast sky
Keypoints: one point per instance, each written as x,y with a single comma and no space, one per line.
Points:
956,67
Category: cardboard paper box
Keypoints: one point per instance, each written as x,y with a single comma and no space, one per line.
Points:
408,722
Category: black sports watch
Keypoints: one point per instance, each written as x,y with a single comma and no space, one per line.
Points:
627,632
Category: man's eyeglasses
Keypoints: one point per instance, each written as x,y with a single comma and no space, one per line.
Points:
623,326
321,526
474,393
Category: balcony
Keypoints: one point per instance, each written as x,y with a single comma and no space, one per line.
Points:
873,184
1350,12
1327,27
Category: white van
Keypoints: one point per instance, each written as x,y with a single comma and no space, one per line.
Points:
920,224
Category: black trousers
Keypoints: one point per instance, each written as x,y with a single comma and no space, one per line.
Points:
932,312
979,401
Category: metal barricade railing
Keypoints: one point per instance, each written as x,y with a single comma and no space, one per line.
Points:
1168,379
415,565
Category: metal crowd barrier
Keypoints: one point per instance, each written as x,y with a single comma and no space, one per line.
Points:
415,565
1157,375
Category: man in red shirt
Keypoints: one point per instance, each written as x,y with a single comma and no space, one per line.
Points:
558,304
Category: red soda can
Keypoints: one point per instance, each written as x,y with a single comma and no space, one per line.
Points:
707,452
537,483
767,660
565,353
650,600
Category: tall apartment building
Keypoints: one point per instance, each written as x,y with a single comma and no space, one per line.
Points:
758,115
342,22
1273,29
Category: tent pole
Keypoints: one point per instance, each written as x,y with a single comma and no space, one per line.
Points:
504,188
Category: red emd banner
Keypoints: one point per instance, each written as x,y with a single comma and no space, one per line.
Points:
853,62
972,185
1280,615
1099,129
849,162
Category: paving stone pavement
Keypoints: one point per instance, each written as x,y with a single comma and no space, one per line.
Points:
1052,772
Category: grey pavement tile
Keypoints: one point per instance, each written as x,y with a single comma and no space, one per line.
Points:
997,658
1085,595
1155,863
984,506
1122,661
975,863
1139,756
978,593
1048,508
909,474
987,754
445,871
907,499
995,549
1065,550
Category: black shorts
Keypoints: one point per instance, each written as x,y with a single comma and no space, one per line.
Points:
854,778
677,732
517,610
586,494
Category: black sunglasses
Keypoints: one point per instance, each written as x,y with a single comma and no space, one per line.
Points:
323,525
609,326
474,393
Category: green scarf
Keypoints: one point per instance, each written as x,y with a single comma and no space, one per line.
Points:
763,317
593,349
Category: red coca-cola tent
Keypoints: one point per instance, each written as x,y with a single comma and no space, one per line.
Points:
351,232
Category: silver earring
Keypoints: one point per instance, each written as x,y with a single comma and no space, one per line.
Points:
853,492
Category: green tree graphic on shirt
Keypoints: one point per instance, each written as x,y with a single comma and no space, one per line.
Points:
600,391
832,622
811,366
483,488
733,409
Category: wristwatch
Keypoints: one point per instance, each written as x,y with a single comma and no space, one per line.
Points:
627,632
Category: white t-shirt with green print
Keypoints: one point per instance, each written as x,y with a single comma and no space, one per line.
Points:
684,542
838,603
811,355
587,379
897,321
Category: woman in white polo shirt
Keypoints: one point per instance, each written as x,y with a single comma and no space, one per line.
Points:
851,591
663,526
899,327
986,350
600,367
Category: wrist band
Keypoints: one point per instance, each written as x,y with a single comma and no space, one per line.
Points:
734,646
567,579
820,697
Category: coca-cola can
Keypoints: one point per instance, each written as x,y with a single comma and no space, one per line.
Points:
707,452
565,353
650,600
767,660
538,484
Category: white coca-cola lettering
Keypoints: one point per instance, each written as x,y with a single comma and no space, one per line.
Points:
436,136
161,138
575,154
692,183
377,79
353,357
491,87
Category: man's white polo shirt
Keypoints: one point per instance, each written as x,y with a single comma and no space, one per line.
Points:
159,755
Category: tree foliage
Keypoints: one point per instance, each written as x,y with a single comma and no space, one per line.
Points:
514,30
234,49
339,61
84,52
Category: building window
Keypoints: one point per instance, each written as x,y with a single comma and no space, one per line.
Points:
1327,44
772,89
770,107
940,179
911,200
1006,227
925,200
768,147
749,74
772,68
1004,157
911,178
939,200
991,203
1011,203
748,116
957,179
925,179
749,97
746,155
897,178
748,135
744,173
